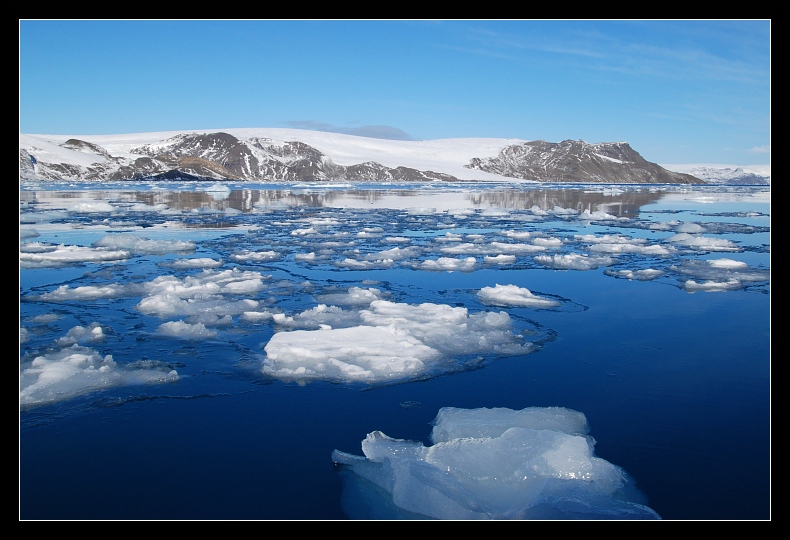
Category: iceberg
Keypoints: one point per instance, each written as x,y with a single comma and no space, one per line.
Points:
490,463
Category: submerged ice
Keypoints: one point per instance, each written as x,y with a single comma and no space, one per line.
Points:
490,463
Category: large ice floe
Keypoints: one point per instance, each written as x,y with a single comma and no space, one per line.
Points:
392,342
490,463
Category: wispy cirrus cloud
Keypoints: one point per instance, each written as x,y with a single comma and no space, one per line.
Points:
634,49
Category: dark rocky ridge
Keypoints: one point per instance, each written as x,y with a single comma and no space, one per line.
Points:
579,162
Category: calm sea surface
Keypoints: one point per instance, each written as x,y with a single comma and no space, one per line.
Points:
660,336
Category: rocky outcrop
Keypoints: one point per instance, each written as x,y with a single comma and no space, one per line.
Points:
578,162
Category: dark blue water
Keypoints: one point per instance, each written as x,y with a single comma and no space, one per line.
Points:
675,386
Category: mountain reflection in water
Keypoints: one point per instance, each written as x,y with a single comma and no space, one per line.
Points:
617,202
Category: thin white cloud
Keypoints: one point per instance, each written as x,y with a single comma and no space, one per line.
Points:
634,51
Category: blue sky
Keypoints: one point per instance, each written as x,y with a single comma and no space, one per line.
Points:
678,91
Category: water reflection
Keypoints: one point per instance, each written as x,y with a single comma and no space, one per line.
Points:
616,202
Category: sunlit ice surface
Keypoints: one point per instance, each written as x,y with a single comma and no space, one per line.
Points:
309,317
536,463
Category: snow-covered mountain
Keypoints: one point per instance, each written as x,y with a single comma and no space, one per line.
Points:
289,155
726,174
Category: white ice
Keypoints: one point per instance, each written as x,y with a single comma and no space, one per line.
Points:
644,274
715,275
184,330
413,340
513,295
697,241
447,264
712,286
74,369
573,261
197,262
535,463
38,255
386,342
258,256
139,245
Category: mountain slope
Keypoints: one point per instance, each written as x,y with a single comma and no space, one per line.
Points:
579,162
289,155
726,174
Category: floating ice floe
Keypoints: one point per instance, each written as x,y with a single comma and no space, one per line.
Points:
699,242
78,370
197,262
254,256
40,255
573,261
387,342
139,245
712,286
513,295
645,274
91,206
447,264
719,274
535,463
185,330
